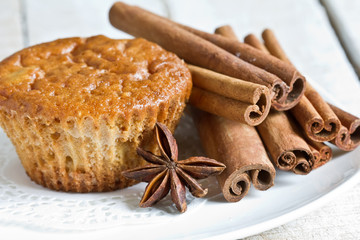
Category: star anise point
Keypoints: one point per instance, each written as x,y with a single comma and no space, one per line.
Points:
166,173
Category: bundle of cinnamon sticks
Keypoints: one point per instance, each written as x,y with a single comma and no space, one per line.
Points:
253,109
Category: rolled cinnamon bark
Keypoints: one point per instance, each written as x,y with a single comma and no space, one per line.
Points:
316,154
261,179
226,31
283,140
348,137
273,46
313,113
240,148
250,39
282,137
193,49
245,102
253,41
322,153
286,72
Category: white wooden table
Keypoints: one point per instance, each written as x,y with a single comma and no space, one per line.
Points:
303,28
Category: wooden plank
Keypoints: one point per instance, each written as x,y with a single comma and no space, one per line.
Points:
345,16
50,20
11,39
303,30
339,219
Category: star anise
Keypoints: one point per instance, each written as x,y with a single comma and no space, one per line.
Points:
167,173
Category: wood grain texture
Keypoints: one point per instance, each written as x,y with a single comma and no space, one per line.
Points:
345,17
340,219
10,27
49,20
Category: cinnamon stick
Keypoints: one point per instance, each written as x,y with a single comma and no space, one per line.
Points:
239,147
348,137
322,153
262,178
253,41
245,102
284,142
314,115
281,137
289,74
194,49
273,46
226,31
316,155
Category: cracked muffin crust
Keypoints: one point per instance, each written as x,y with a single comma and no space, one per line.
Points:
77,108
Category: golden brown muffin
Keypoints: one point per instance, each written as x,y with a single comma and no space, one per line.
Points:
77,108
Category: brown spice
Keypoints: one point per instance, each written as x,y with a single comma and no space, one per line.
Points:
283,140
253,41
228,141
226,31
193,49
167,173
257,175
239,147
245,102
348,137
322,153
282,137
286,72
313,114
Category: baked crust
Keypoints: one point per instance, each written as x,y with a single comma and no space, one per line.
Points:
78,77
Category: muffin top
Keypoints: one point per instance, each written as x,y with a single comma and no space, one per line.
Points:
96,76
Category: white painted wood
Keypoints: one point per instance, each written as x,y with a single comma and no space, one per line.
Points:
345,15
10,28
302,28
50,20
340,219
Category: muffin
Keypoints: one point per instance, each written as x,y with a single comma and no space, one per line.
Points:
77,108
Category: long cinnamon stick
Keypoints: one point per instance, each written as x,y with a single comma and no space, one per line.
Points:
239,147
348,137
284,142
245,102
193,49
313,113
296,82
285,71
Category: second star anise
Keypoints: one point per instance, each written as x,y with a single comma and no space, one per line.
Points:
167,173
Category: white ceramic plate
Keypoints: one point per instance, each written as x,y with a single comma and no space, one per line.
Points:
32,212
